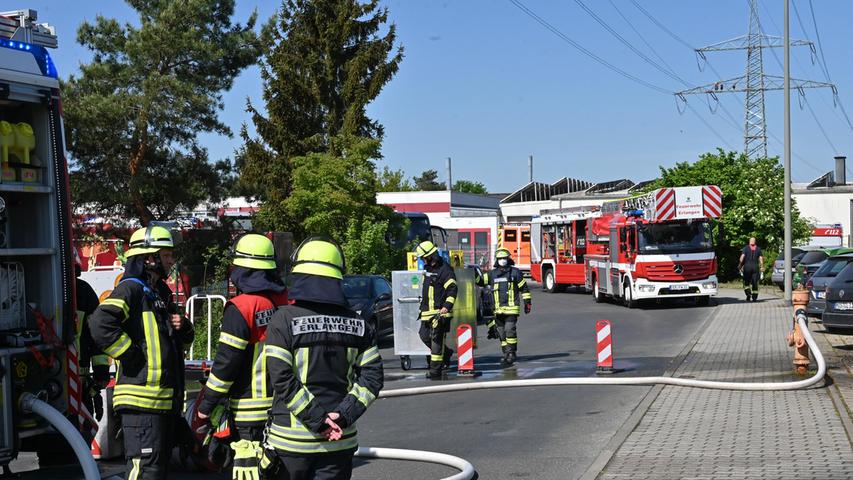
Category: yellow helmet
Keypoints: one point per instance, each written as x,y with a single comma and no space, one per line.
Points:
149,239
254,251
322,257
425,249
502,253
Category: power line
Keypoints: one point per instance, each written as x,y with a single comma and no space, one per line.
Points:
579,47
825,66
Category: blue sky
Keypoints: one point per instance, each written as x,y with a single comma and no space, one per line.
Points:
486,85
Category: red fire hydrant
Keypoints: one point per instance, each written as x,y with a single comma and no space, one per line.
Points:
799,299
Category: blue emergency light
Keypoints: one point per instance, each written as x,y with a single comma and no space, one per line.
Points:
634,213
43,59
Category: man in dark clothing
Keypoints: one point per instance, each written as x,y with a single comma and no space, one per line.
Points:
510,289
325,369
437,299
751,266
239,371
139,326
94,364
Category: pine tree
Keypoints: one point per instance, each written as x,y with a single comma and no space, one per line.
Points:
327,60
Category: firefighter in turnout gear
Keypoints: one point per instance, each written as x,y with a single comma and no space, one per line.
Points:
325,369
139,326
436,312
239,371
509,289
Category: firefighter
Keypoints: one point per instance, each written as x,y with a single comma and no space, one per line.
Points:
751,266
325,369
239,371
509,289
94,364
139,327
436,311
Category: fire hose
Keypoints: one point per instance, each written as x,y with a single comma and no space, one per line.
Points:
29,403
467,471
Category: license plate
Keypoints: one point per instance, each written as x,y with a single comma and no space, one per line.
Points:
679,287
844,306
820,294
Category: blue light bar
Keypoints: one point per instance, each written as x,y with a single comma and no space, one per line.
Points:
634,213
43,59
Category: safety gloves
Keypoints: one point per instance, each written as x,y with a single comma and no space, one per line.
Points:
247,457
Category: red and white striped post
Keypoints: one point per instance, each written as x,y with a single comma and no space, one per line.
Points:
604,348
465,349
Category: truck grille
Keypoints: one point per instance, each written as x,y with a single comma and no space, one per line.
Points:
666,272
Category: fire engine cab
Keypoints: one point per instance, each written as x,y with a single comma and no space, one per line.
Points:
654,246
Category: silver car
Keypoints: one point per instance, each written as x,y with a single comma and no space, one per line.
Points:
821,278
779,266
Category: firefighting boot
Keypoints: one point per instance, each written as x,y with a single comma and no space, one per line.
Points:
755,297
748,293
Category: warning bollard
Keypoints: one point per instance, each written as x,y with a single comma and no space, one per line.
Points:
604,348
465,349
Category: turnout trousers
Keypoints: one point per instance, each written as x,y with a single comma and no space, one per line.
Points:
337,466
506,327
148,442
433,338
750,284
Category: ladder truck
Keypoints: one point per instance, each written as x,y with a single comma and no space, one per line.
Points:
38,359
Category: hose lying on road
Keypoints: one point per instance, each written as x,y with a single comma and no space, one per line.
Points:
466,470
543,382
29,403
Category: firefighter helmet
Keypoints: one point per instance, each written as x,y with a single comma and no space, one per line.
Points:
150,239
502,253
319,256
425,249
254,251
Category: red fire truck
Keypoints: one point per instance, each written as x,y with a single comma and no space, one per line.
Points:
654,246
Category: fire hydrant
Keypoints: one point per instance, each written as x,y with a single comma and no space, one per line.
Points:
799,298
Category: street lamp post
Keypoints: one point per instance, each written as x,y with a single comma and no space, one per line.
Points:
787,157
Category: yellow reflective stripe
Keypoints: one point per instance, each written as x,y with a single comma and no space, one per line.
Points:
526,296
300,400
285,444
98,360
368,356
431,297
491,323
427,314
217,384
259,374
118,303
250,403
510,291
117,348
134,472
450,300
251,416
144,391
436,358
301,432
233,341
131,401
279,353
511,341
352,359
365,396
152,344
302,364
449,283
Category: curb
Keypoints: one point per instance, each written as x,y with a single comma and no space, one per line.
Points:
603,459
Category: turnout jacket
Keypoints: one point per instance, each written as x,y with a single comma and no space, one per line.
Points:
89,354
439,290
239,370
132,326
321,358
508,287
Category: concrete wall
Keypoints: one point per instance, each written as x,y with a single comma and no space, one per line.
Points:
826,207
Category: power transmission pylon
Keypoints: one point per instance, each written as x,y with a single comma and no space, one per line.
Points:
755,82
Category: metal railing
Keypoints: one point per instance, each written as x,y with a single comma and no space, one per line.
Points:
190,310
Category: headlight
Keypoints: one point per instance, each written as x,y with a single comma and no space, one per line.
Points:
709,285
647,288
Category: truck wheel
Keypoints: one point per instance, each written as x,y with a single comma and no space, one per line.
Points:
550,283
628,295
596,293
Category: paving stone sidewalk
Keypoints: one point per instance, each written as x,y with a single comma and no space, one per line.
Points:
690,433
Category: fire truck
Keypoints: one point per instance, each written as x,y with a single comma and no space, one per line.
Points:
39,382
654,246
516,238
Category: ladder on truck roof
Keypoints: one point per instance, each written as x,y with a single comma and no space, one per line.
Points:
672,203
20,26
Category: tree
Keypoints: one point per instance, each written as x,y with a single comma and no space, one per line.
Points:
468,186
426,181
134,113
752,203
393,181
327,61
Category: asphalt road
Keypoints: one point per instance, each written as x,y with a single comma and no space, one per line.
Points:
543,432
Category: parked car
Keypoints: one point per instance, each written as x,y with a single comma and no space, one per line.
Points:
821,278
370,297
779,266
838,313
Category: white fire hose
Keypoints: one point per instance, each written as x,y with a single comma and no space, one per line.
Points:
467,470
29,403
